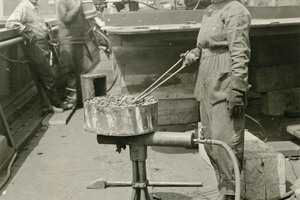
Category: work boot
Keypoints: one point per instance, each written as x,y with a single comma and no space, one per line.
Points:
51,109
57,109
65,106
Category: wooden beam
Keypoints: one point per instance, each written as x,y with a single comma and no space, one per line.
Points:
182,16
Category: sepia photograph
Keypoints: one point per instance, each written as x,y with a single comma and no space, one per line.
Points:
149,99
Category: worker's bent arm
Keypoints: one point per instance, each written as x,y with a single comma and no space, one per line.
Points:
15,20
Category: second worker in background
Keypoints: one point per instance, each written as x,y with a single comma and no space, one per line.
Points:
72,31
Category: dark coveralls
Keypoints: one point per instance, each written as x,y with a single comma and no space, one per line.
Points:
72,29
223,43
27,21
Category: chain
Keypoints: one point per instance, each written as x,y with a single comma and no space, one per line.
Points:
12,60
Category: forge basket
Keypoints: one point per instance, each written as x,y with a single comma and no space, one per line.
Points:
120,120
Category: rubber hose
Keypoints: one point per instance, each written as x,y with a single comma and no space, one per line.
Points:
259,124
112,84
284,196
234,161
287,195
8,170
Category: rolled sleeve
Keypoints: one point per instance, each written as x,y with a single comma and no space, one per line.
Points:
196,51
15,20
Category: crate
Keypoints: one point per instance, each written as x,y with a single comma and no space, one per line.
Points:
263,174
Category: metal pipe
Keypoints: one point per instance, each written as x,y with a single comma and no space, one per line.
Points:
89,14
142,171
133,194
17,40
175,184
173,139
233,159
135,174
107,184
10,42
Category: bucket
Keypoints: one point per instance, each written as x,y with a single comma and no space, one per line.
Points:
119,118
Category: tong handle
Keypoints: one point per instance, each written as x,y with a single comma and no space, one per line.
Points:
147,89
154,88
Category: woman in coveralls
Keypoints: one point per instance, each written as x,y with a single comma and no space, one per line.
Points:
224,51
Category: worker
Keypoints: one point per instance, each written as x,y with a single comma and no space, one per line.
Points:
222,83
26,20
72,31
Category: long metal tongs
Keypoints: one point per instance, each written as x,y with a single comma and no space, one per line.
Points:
151,88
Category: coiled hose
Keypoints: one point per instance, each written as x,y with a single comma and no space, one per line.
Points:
263,134
112,85
236,169
284,196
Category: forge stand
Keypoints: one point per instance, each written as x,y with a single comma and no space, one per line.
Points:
138,156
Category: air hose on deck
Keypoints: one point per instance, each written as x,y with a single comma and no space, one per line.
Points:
236,168
112,85
263,134
233,159
9,170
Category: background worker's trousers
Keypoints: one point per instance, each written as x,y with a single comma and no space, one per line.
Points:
37,53
72,61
